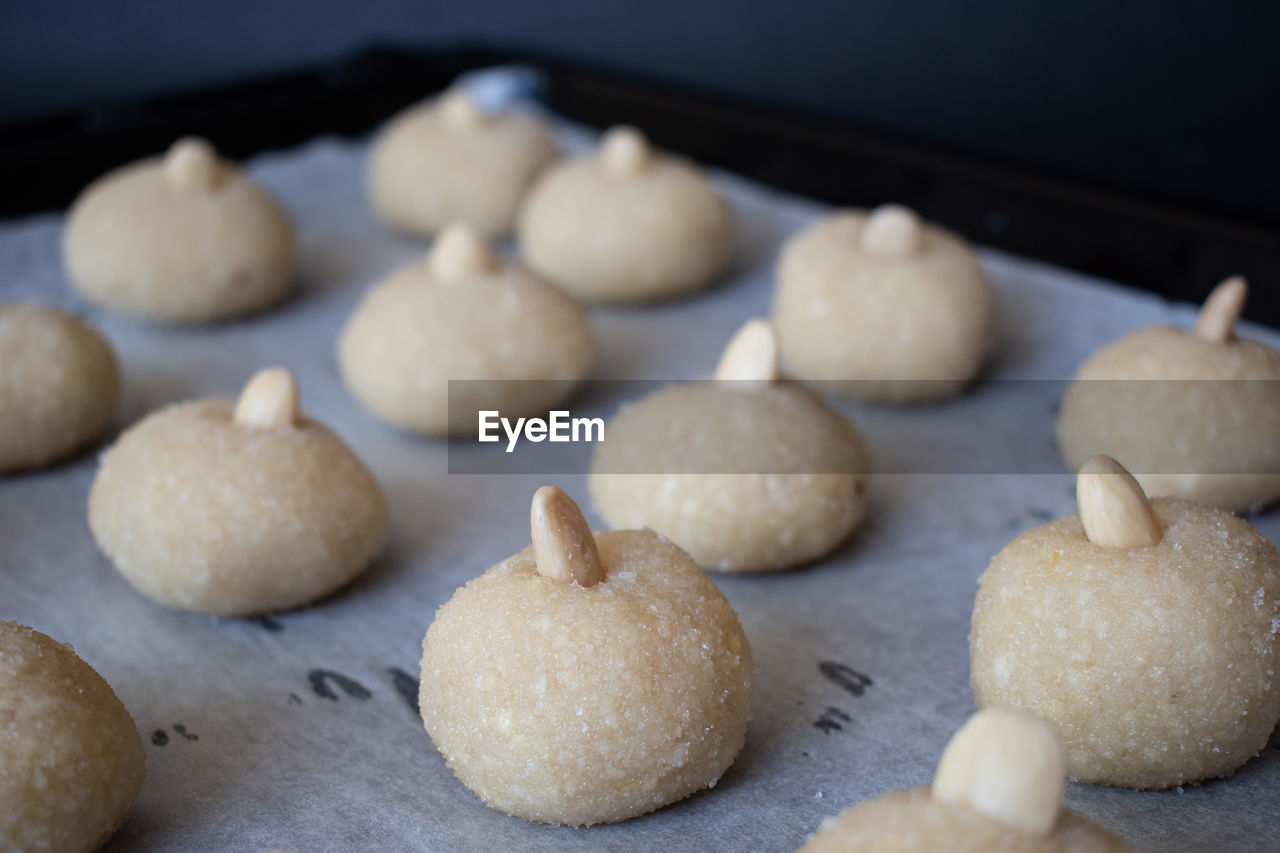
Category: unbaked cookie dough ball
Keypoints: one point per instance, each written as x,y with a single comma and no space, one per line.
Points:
71,759
59,385
463,314
1194,414
236,508
1145,632
184,238
626,224
591,678
998,789
445,161
883,307
747,472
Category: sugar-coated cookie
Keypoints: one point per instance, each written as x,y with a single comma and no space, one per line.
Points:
236,508
591,678
747,472
1194,414
1144,631
881,306
71,759
59,385
183,238
446,161
463,314
998,789
626,224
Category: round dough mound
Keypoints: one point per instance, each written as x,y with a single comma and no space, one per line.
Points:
661,232
911,821
201,513
737,473
71,759
526,342
442,162
889,329
1207,428
578,705
59,384
137,244
1155,664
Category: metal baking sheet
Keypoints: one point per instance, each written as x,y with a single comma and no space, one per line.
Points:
299,730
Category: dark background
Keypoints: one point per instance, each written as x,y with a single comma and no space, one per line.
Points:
1174,101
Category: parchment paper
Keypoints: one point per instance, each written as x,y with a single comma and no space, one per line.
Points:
298,730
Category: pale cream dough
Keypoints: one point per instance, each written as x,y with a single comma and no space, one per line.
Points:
183,238
626,223
881,306
1192,413
1144,631
71,759
447,161
747,472
590,678
998,789
59,385
463,314
236,508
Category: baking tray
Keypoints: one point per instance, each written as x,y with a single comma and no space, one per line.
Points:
1147,243
298,730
